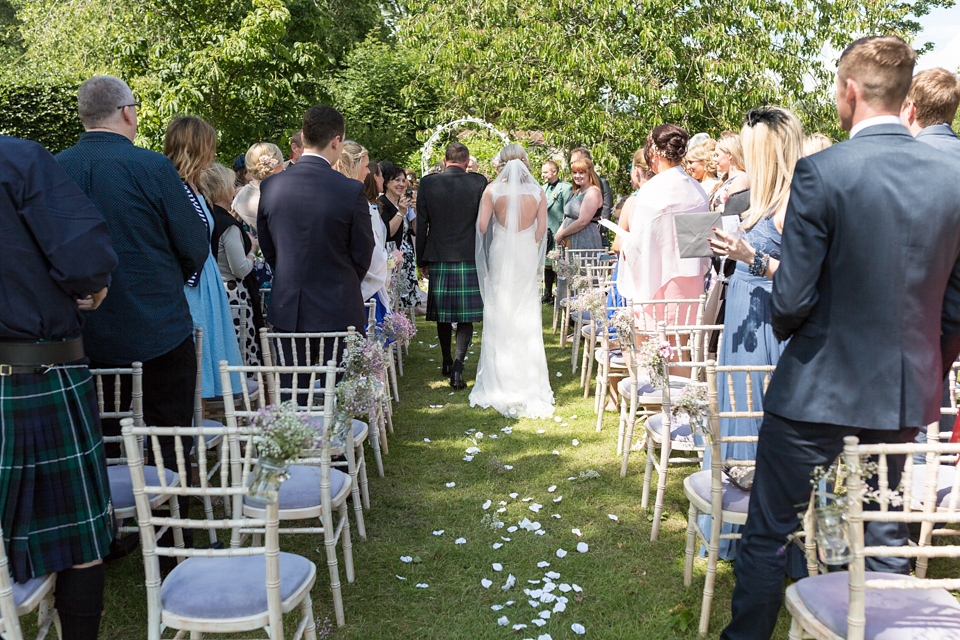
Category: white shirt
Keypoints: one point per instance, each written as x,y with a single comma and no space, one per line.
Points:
317,155
875,120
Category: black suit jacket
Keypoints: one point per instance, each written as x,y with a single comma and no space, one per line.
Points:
447,208
869,280
315,232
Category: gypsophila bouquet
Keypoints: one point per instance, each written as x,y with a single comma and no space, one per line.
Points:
693,403
654,355
397,326
356,396
284,433
624,322
592,300
363,357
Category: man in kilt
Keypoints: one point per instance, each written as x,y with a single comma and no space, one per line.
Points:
54,493
447,208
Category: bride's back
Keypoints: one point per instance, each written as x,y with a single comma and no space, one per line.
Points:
529,202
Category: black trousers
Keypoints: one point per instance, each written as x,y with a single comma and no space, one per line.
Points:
787,453
169,386
317,356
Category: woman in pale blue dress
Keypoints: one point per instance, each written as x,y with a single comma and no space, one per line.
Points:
190,143
768,135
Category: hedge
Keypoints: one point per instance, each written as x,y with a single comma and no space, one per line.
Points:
47,114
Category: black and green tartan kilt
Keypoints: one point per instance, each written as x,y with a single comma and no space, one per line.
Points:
454,293
54,492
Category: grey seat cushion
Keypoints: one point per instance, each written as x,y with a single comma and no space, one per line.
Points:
358,426
680,430
892,614
302,489
733,498
647,394
121,484
945,479
616,357
229,587
24,591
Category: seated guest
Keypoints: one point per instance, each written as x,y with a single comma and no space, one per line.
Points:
191,145
233,250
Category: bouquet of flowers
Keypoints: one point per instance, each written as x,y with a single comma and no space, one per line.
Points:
363,357
284,433
397,326
624,323
693,403
654,355
592,300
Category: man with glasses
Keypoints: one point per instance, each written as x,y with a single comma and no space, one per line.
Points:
160,242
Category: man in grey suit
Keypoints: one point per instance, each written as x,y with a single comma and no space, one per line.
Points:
868,290
930,107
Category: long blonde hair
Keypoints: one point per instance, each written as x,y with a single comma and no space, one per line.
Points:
191,144
772,140
351,159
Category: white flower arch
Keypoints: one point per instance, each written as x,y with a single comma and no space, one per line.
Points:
427,149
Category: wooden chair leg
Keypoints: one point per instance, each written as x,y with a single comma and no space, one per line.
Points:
647,470
622,426
309,624
713,552
628,437
345,541
692,514
661,483
796,630
330,546
575,349
374,438
357,503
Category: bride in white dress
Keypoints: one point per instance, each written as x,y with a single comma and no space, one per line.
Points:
512,375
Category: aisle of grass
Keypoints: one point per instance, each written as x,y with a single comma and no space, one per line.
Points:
631,587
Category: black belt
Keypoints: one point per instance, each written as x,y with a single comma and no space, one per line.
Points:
37,357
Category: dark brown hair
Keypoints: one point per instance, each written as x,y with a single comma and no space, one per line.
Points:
882,66
370,183
669,141
321,124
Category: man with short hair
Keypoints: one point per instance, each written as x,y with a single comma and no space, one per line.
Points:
296,147
930,107
558,192
447,207
868,291
605,190
160,242
314,229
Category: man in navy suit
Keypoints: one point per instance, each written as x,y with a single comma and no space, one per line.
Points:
930,107
314,229
868,289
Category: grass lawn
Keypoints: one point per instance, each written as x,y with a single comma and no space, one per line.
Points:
627,586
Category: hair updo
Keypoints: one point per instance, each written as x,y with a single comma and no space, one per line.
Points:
669,141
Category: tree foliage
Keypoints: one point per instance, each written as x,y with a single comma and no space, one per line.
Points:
603,73
47,114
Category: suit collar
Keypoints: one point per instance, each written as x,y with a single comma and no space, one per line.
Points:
312,159
942,129
453,170
883,130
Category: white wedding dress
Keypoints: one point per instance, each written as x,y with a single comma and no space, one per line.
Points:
512,376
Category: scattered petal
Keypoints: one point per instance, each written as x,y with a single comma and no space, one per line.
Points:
517,627
559,375
497,607
545,636
578,629
438,532
514,495
503,621
564,587
556,515
497,566
535,507
526,500
558,499
511,529
558,420
501,509
468,458
486,505
399,577
559,607
577,533
577,587
511,580
507,430
406,559
486,583
539,622
472,451
505,539
541,430
555,452
545,614
561,553
497,545
583,547
576,442
508,467
460,541
573,417
553,575
543,563
551,488
493,435
426,439
540,532
422,585
613,517
451,484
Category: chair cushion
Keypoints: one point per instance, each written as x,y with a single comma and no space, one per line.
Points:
229,587
121,484
24,591
302,489
733,498
892,614
680,430
945,479
358,426
647,394
582,316
212,440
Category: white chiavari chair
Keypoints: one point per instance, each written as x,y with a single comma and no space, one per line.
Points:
19,599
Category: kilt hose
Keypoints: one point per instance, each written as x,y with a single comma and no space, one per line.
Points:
54,492
454,293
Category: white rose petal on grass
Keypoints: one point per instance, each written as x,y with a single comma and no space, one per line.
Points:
526,500
514,495
558,499
565,588
559,375
558,420
535,507
577,628
557,516
497,566
486,505
497,607
468,458
545,614
553,575
493,435
472,451
541,430
582,547
576,442
577,587
486,583
497,545
613,517
551,488
501,509
438,532
511,580
573,417
450,485
539,622
519,626
545,636
460,541
577,532
507,430
543,563
399,577
426,439
503,621
406,558
505,539
561,553
508,467
422,585
560,607
555,452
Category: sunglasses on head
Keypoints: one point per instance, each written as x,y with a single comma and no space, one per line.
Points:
769,117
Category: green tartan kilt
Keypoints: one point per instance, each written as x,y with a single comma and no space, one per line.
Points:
454,293
54,492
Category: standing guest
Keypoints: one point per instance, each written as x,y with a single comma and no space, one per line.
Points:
55,497
160,242
373,187
729,161
639,174
772,141
701,164
815,142
558,193
930,107
296,146
233,250
240,171
263,159
447,206
580,229
651,267
837,281
473,166
396,211
191,145
315,233
606,210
